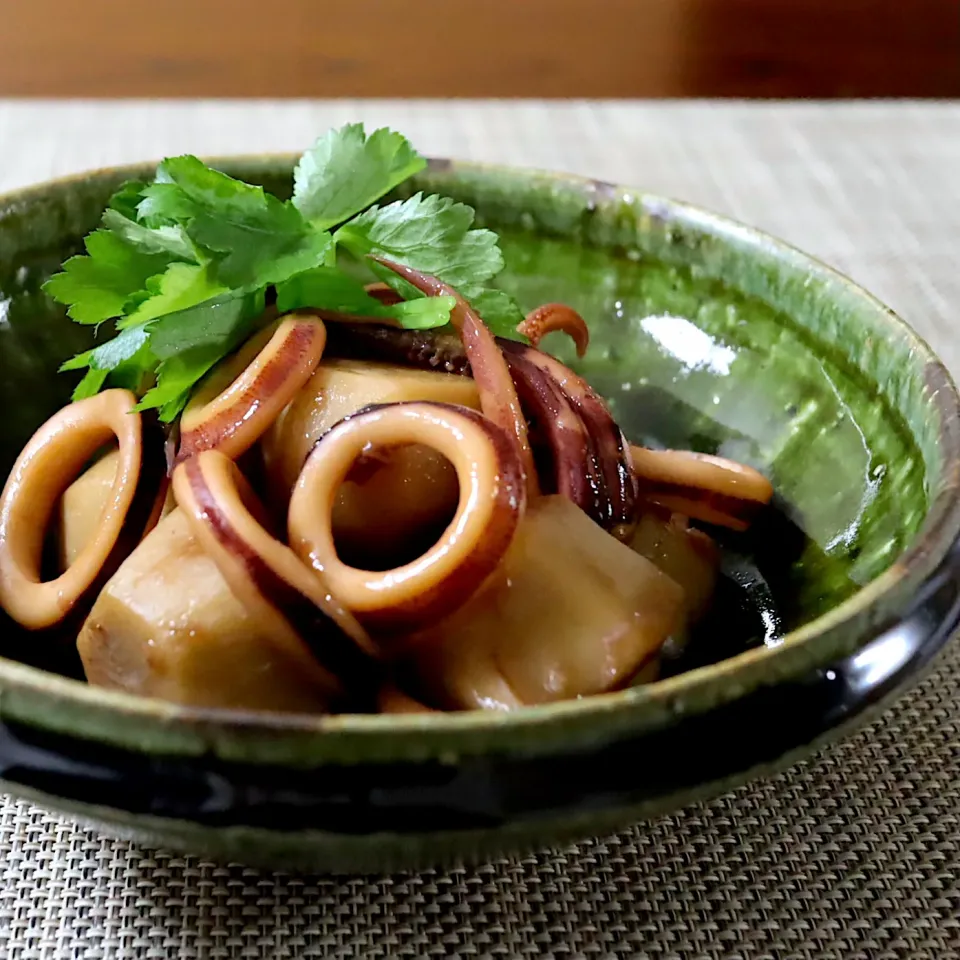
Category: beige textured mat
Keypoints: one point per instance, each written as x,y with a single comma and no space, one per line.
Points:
855,854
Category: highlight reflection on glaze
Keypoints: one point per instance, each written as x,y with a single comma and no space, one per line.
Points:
695,349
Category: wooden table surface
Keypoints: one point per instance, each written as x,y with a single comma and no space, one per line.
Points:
497,48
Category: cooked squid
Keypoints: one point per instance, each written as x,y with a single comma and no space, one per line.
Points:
491,503
234,408
361,517
273,585
555,318
697,485
41,475
393,498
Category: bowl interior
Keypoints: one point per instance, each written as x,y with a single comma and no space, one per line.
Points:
704,336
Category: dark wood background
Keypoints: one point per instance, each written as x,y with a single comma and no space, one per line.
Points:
486,48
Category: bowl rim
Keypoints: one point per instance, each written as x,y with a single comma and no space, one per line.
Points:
27,693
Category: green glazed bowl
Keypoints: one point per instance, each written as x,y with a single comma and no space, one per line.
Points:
706,334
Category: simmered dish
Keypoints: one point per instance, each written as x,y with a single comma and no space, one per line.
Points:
324,464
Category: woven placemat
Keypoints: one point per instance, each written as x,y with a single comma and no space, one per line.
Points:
854,854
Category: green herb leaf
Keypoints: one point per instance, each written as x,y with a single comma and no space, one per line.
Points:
183,264
224,323
122,217
137,373
126,200
255,239
196,338
498,310
328,288
91,384
190,343
168,240
180,286
345,171
118,353
97,286
108,355
432,234
424,313
164,203
176,379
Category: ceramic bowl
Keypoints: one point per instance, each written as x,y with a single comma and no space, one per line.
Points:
706,334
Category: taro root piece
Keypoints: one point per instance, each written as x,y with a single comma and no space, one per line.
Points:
264,574
491,502
81,505
393,496
168,625
687,555
712,489
230,412
648,673
586,456
83,501
44,469
570,612
583,453
393,504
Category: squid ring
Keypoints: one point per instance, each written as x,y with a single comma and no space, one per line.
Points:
55,454
266,576
492,499
698,485
233,419
498,396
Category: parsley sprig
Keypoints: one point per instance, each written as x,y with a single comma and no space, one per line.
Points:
183,266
